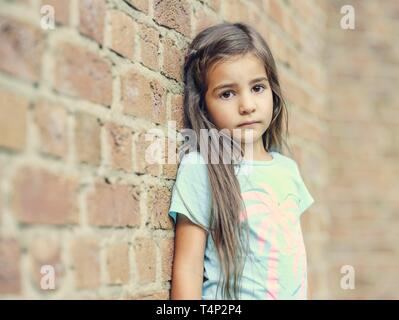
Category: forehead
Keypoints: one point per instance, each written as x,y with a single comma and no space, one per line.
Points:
236,69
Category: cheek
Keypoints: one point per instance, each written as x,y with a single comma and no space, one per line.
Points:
221,117
267,106
219,114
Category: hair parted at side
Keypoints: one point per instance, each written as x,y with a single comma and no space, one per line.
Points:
214,44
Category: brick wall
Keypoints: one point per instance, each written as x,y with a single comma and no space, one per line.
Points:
363,69
76,101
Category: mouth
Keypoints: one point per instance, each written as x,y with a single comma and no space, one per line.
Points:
248,124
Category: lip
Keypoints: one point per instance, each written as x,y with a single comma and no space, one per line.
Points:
248,123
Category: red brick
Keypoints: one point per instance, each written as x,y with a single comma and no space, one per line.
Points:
203,19
118,264
260,4
13,120
158,94
172,59
293,92
309,130
45,250
170,171
174,14
86,262
142,164
145,257
279,49
52,122
120,141
61,10
21,49
24,2
236,11
158,205
83,74
143,97
170,166
303,10
153,295
92,19
114,205
167,251
10,276
87,139
141,5
1,196
276,12
177,111
214,4
149,44
40,196
349,95
123,31
387,114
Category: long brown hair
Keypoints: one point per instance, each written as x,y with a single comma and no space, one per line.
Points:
212,45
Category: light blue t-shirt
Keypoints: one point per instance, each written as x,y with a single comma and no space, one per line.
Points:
274,196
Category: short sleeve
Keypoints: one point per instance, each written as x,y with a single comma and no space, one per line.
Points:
306,199
191,192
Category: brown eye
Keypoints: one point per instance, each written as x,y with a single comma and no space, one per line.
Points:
224,94
260,86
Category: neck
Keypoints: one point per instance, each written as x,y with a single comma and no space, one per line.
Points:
258,152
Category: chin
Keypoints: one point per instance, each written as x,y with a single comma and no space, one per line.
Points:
246,137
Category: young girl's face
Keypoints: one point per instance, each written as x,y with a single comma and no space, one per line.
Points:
238,92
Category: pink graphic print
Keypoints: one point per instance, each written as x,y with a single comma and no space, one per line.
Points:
276,219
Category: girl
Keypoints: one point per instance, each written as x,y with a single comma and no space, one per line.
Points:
238,223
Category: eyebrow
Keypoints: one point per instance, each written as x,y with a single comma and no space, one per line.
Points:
234,84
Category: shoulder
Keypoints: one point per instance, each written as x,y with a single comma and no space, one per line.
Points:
285,160
192,166
192,158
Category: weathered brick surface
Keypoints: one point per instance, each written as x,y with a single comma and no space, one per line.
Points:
123,32
61,10
172,60
13,120
45,251
120,141
158,202
145,259
83,74
143,96
21,48
43,197
141,5
149,44
87,139
85,253
363,150
1,198
77,191
92,19
167,252
146,161
118,263
152,295
114,205
10,269
52,124
173,14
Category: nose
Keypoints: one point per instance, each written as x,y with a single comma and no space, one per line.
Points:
247,104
